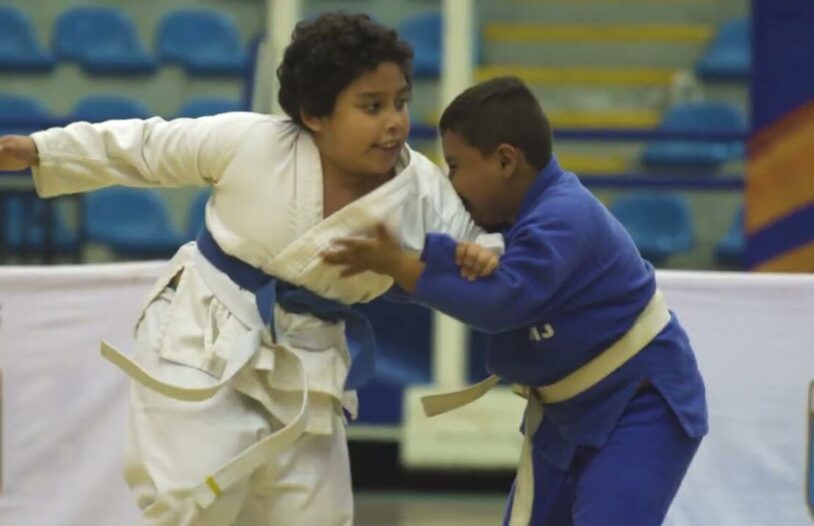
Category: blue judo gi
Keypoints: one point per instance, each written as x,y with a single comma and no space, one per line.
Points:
570,284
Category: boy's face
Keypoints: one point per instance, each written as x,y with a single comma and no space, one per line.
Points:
479,180
368,127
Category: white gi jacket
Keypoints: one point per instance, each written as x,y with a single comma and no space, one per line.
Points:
267,210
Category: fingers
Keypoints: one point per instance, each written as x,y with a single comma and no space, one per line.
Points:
469,261
344,257
490,266
349,243
345,250
475,261
351,270
382,232
335,257
460,253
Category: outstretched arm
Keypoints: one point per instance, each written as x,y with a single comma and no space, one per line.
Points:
538,261
142,153
382,254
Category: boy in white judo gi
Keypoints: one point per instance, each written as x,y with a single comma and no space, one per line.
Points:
241,360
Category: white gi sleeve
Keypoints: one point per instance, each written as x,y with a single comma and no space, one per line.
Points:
444,212
141,153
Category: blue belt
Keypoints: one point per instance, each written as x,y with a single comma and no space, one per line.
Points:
269,290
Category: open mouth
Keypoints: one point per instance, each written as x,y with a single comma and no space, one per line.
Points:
390,146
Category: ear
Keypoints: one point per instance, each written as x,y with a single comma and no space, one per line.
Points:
315,124
508,156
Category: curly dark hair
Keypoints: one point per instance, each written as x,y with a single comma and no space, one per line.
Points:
328,53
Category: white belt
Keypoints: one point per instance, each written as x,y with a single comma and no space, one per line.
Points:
648,324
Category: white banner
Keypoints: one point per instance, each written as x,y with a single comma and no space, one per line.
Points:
63,407
754,336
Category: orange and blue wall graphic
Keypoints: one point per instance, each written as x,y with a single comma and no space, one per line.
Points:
779,221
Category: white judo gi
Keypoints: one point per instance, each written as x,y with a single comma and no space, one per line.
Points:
228,426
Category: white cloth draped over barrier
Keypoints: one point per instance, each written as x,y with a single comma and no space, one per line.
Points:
64,408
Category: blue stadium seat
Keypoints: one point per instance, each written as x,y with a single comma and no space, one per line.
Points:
22,115
203,107
24,231
250,75
134,223
99,108
729,55
660,224
196,215
102,39
696,117
19,48
202,41
730,249
423,32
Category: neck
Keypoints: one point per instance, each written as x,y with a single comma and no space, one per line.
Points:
340,188
351,181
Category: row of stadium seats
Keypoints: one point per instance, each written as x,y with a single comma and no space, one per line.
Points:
661,225
133,223
703,157
691,117
727,57
696,156
699,117
136,223
16,111
104,40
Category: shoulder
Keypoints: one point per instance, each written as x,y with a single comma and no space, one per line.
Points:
425,175
237,122
569,207
249,133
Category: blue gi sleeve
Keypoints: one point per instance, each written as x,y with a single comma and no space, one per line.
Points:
539,259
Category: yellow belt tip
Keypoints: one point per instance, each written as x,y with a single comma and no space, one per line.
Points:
213,486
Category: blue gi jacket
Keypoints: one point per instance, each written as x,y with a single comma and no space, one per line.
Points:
570,283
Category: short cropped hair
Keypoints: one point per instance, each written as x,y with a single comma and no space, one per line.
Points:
501,110
328,53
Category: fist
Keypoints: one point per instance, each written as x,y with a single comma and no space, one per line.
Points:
475,261
17,152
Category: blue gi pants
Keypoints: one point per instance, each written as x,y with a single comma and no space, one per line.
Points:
629,481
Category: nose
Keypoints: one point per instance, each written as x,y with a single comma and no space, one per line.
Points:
397,121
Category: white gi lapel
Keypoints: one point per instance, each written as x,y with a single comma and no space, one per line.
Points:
300,262
308,200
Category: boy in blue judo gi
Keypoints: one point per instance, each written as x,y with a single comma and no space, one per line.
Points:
616,407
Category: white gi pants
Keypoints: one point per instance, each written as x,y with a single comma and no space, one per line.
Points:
173,445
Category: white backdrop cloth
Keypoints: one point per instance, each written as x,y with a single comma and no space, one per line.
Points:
64,408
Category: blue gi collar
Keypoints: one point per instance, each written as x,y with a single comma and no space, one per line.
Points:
269,290
544,179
